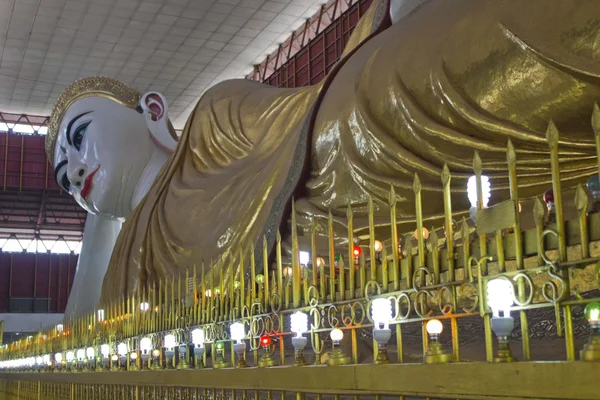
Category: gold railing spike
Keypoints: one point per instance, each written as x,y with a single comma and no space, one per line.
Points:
417,184
372,256
330,240
581,198
596,119
351,258
581,203
477,166
551,134
511,156
445,174
395,240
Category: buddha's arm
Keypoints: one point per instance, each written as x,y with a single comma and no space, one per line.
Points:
99,237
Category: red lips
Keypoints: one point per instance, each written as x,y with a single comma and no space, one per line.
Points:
88,184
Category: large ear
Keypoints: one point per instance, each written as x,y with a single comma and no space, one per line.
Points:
155,109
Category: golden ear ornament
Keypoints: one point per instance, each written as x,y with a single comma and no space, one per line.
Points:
86,87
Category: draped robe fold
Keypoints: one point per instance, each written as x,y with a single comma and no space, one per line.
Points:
450,78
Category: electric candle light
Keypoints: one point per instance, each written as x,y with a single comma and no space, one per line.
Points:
133,361
144,306
238,333
122,350
486,189
500,298
105,351
198,342
287,271
337,355
219,359
155,359
145,349
170,344
266,360
100,315
299,325
435,353
320,262
591,350
183,364
381,312
90,354
59,328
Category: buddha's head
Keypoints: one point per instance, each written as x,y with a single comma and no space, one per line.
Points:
101,137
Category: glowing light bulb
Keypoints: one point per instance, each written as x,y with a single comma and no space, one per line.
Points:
208,293
39,360
592,312
237,284
70,356
133,356
105,350
122,349
500,296
146,345
220,345
304,257
356,251
58,358
170,342
155,353
90,352
198,337
265,341
381,312
288,271
114,357
237,331
260,278
378,246
486,189
100,315
46,358
434,327
299,322
320,262
80,354
336,335
59,328
144,306
425,233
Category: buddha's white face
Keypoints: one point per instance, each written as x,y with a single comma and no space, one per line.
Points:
101,151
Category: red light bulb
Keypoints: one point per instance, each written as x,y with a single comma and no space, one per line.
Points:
357,251
265,340
549,196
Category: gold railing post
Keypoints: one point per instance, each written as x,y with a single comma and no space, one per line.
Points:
373,258
330,241
581,203
419,217
395,244
446,177
477,168
552,138
351,263
313,253
596,128
295,262
511,159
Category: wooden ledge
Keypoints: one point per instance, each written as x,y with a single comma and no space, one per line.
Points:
519,380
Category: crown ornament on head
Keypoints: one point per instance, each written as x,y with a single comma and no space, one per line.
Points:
87,87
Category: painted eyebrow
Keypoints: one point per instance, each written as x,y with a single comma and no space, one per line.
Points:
58,167
68,132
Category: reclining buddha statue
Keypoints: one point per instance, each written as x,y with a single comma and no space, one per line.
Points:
409,94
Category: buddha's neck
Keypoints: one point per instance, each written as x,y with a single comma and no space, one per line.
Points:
158,158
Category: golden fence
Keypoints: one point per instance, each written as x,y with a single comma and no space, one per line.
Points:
176,340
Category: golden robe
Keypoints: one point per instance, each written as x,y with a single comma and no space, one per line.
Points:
448,79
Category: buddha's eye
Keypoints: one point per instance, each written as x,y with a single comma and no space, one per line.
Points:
65,183
79,134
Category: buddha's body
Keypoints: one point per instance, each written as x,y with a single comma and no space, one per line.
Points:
451,78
